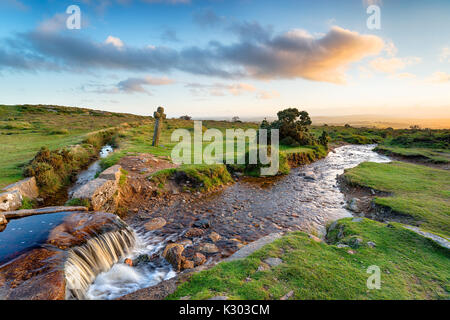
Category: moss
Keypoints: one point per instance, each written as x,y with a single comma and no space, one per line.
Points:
123,177
27,203
75,202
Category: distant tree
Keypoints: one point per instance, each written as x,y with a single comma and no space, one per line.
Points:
293,126
414,127
324,138
186,118
236,119
347,125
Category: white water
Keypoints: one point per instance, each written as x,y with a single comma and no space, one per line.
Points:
122,279
97,255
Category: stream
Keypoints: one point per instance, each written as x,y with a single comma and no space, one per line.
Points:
306,200
89,174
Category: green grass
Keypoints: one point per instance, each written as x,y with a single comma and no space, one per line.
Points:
418,191
412,267
75,202
430,155
25,129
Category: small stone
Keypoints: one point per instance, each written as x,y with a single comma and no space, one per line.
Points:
263,267
156,223
316,239
194,232
209,248
287,295
371,244
204,224
199,259
340,245
214,236
135,210
143,258
186,242
350,251
187,264
172,253
185,298
355,242
273,262
219,298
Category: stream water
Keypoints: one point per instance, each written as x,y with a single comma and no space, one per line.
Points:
306,199
89,174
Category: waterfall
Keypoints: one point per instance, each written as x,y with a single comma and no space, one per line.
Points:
97,255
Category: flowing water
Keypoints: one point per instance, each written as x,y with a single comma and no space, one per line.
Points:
306,199
98,255
89,174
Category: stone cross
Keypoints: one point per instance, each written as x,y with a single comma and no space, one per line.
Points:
159,118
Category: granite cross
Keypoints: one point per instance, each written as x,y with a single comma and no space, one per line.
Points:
159,118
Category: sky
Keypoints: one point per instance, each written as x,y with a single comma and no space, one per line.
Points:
225,58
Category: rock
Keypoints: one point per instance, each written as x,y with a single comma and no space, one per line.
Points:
208,248
46,210
350,252
3,219
173,254
273,262
194,233
214,236
371,244
10,200
187,264
287,295
316,239
199,259
263,267
156,223
219,298
355,242
112,173
142,259
353,205
340,245
203,223
186,242
357,219
27,188
309,175
98,192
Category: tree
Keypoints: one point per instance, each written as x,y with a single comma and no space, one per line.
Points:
236,119
186,118
293,126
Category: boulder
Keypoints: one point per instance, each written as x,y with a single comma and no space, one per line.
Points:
142,259
112,173
27,188
173,254
98,192
354,205
156,223
10,200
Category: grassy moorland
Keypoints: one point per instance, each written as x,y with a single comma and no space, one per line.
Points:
417,191
432,146
412,267
25,129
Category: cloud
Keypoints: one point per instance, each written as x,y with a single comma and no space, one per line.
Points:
129,86
207,18
296,54
266,95
445,55
116,42
169,35
392,65
439,77
367,3
15,4
257,54
220,89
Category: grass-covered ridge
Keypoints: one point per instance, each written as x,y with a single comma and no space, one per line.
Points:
25,129
412,267
418,191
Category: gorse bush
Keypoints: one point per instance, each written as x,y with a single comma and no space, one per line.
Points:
54,169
